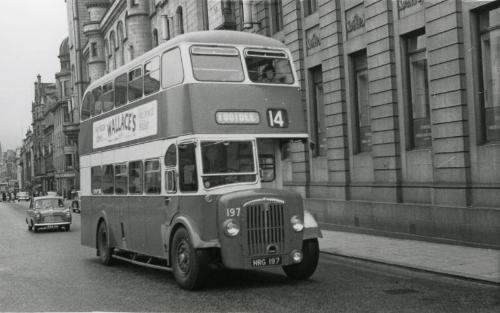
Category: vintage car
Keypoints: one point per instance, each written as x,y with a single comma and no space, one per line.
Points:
23,195
48,211
75,203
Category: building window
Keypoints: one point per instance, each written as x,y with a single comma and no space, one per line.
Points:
180,21
133,3
276,16
317,112
361,107
93,49
155,38
119,30
68,160
310,6
418,91
489,83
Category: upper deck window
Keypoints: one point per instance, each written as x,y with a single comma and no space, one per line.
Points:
221,64
135,84
268,67
107,97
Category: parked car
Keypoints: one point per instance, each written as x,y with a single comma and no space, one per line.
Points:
48,211
23,195
75,204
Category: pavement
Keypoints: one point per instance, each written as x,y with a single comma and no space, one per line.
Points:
480,264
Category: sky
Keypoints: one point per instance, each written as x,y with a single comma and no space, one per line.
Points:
31,32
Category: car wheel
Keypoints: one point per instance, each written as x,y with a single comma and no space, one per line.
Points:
190,266
103,250
67,227
35,228
304,270
30,227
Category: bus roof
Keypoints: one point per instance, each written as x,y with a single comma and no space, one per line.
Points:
223,37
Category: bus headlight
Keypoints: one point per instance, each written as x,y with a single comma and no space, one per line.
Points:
297,223
231,228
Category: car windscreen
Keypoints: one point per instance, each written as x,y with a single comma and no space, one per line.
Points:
44,204
221,64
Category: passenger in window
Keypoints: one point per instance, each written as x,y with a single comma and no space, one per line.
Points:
269,74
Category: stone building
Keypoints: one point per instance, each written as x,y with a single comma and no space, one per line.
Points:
42,137
401,99
65,156
26,162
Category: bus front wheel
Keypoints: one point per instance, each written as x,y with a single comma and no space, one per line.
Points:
189,265
304,270
103,250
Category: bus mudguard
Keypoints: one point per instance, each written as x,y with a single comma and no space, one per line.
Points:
104,217
311,227
193,231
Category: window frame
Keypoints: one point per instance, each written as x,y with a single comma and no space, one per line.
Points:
238,56
146,172
133,80
162,71
141,162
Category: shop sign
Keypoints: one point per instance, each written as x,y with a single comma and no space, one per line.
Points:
313,40
136,123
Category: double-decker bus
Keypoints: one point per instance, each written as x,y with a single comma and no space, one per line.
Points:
181,159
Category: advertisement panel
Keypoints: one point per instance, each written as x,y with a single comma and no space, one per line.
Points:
136,123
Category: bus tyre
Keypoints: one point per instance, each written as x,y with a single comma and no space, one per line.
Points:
304,270
190,266
103,250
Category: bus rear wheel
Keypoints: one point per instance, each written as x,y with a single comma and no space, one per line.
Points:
190,266
304,270
103,250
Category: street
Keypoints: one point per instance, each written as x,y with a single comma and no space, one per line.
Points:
51,271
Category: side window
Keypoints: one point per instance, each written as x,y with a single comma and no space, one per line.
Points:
121,90
171,156
188,180
172,72
171,163
135,84
152,178
88,102
135,177
107,97
108,178
266,164
96,180
120,179
152,76
97,95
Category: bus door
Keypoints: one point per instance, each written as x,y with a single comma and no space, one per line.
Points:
271,163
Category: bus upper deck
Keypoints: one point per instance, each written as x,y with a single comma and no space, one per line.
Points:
200,83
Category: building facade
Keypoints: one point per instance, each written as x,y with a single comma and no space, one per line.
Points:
401,99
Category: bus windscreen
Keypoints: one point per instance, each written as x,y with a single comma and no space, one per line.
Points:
227,162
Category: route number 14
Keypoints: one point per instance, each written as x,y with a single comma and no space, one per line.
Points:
277,118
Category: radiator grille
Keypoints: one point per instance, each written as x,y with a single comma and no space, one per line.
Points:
265,227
